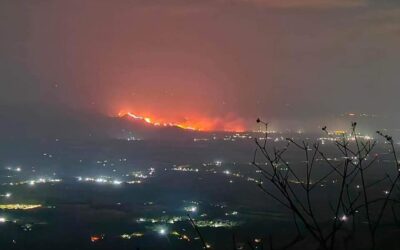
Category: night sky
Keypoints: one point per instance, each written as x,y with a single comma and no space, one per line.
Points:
205,61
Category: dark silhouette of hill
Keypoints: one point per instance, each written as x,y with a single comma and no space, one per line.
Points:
51,123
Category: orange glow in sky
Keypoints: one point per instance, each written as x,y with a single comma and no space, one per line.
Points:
199,124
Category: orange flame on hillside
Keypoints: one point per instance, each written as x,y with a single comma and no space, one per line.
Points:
203,124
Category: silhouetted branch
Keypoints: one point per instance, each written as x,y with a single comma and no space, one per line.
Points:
294,190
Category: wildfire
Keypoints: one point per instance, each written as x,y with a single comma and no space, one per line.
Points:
203,124
96,238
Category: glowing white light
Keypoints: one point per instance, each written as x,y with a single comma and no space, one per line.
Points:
344,218
115,182
193,209
8,195
162,231
2,220
100,180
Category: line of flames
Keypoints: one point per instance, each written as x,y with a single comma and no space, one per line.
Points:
154,123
